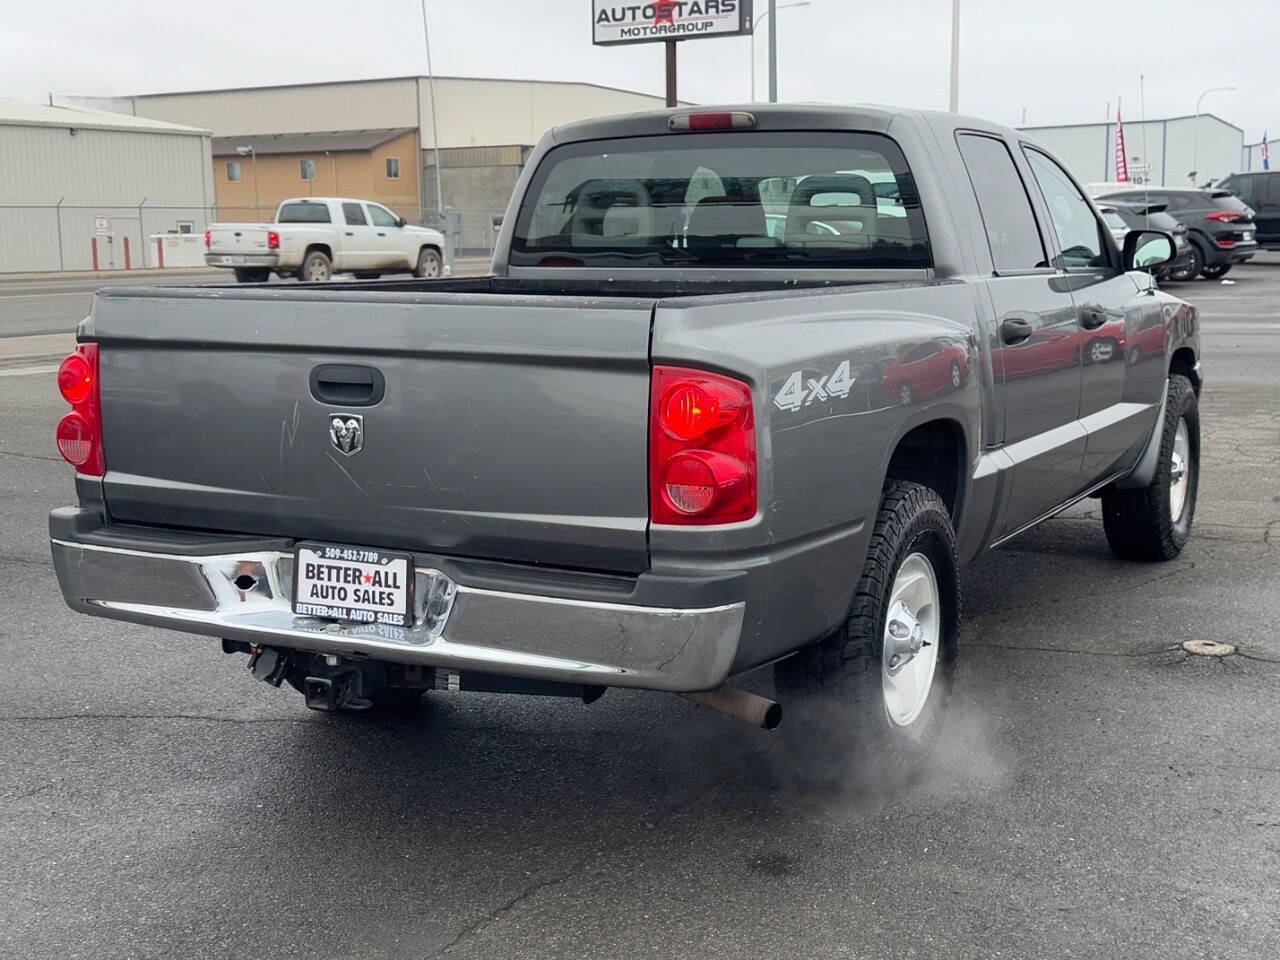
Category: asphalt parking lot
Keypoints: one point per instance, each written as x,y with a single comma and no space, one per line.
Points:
1098,793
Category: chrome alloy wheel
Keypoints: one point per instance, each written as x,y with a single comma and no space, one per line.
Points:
911,633
1179,471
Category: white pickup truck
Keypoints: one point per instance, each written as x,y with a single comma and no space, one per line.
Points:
313,238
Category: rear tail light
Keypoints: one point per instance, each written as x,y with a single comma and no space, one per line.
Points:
1224,216
208,239
1225,244
273,240
79,433
702,448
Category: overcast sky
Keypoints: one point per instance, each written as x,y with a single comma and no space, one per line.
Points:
1060,62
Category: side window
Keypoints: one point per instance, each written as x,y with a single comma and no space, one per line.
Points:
1079,232
1269,191
307,169
233,172
1002,198
1242,187
382,217
354,216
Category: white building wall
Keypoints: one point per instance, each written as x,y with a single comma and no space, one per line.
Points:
1170,149
473,111
366,105
54,184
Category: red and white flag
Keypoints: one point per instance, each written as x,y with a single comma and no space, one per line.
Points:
1122,166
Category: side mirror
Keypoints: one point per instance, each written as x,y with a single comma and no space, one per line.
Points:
1145,249
401,221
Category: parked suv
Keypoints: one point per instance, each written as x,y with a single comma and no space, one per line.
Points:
1122,217
1260,190
1219,226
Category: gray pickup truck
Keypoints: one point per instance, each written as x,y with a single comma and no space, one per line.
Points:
743,388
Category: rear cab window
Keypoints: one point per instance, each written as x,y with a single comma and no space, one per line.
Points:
1012,233
303,212
775,199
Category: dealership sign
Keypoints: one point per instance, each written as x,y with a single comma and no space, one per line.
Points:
623,22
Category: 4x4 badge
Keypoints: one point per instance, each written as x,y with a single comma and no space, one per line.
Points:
346,433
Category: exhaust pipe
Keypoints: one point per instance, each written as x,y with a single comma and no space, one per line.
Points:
735,702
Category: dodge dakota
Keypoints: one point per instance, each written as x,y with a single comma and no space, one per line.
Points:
314,237
663,443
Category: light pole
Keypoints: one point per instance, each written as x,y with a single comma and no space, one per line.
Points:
783,6
955,56
250,152
1195,151
435,129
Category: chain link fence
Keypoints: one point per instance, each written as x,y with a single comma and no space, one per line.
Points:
38,237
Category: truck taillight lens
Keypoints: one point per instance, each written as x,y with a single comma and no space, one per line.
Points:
273,240
79,433
208,239
702,448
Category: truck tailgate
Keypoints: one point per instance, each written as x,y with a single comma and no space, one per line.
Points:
233,238
510,428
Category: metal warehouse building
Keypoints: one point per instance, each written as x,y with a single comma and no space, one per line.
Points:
76,183
1161,152
486,127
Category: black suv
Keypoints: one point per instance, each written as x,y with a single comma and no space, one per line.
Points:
1260,189
1219,226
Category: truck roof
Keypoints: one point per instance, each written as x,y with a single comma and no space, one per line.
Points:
780,116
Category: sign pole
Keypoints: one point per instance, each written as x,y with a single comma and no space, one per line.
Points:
671,73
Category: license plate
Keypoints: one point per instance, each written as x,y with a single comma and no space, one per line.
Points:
352,583
1247,236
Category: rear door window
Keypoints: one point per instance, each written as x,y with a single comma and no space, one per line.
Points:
354,215
781,200
303,212
1002,199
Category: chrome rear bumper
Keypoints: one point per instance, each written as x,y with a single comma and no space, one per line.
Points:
246,596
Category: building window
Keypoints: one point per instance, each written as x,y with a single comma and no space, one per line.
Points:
393,168
233,172
186,226
308,169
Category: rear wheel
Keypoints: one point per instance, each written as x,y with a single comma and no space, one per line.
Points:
867,704
1154,522
1214,271
429,264
252,275
316,267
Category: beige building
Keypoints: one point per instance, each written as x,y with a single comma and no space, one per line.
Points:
486,129
253,174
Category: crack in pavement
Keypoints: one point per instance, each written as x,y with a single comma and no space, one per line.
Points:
497,913
29,456
27,563
1082,653
68,717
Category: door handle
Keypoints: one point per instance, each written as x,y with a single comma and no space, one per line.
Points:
346,385
350,234
381,234
1016,330
1091,318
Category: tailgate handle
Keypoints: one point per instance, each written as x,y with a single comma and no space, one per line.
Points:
347,385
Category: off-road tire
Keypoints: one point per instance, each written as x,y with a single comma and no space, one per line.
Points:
835,722
1138,523
430,266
